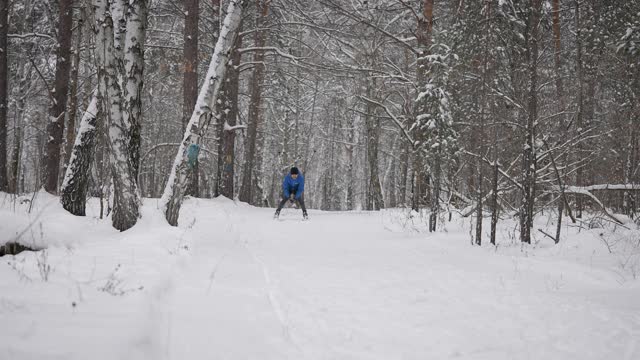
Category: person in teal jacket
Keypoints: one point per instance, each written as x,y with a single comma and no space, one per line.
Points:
293,191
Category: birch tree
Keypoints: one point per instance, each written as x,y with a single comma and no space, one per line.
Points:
119,53
435,62
201,116
136,19
73,91
76,180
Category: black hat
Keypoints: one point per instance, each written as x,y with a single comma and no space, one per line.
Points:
294,170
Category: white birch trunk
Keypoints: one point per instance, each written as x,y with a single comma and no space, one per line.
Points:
202,113
118,9
126,201
136,20
76,178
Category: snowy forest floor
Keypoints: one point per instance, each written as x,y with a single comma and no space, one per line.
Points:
232,283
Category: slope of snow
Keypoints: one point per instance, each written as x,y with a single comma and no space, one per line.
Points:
231,283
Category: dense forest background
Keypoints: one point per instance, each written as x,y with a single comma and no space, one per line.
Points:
490,107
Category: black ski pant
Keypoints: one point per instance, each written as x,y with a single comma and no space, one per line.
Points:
299,201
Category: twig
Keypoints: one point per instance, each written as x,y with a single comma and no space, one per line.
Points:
46,85
393,117
551,237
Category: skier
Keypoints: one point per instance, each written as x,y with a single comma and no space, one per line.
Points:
293,191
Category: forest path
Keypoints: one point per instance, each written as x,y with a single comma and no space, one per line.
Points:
232,283
342,286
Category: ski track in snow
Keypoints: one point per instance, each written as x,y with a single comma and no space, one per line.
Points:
232,283
236,249
301,265
273,298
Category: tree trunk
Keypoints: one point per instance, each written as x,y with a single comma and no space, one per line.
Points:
136,18
479,204
559,91
423,35
435,193
332,178
73,92
351,138
374,201
403,173
628,200
310,128
190,59
121,101
255,112
55,125
14,168
190,78
172,197
392,176
529,153
4,27
227,135
580,110
559,225
494,200
101,153
24,73
557,55
76,179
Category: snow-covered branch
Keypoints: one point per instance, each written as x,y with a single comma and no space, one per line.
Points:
502,172
31,35
397,121
270,49
582,191
227,127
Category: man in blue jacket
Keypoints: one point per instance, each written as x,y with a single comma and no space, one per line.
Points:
293,191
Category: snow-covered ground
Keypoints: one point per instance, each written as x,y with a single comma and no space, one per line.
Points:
231,283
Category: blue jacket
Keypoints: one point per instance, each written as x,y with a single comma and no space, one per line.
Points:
291,186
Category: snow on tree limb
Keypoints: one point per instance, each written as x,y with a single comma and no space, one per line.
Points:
610,187
582,191
502,172
270,49
397,121
202,113
228,127
30,35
